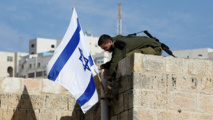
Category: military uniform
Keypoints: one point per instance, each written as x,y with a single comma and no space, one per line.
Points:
125,46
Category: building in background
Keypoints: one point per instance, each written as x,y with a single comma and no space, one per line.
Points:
10,63
202,53
39,45
41,50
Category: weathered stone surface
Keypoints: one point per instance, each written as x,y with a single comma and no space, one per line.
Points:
176,65
200,67
153,63
159,100
206,85
47,114
9,100
126,83
164,115
7,114
141,98
32,85
183,101
197,116
125,66
56,102
138,62
142,81
143,114
128,100
124,116
182,116
51,87
206,104
11,85
182,83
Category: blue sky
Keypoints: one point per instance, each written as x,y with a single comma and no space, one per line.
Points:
181,24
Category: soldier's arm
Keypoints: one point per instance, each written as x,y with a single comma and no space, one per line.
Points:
116,57
106,65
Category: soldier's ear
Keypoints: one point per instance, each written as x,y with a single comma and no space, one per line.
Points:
110,41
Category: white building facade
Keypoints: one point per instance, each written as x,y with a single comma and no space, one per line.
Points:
203,53
41,51
10,63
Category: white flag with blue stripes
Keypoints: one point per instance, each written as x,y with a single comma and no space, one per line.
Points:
72,66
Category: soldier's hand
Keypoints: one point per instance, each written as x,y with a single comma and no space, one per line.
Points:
99,67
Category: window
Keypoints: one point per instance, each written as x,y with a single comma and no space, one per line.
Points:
31,75
30,65
52,46
200,55
22,66
32,52
39,65
39,74
32,46
9,58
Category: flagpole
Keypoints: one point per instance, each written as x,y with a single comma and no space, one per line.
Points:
99,79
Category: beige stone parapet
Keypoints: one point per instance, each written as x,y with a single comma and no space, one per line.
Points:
163,88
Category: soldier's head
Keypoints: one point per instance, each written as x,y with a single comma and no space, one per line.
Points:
105,42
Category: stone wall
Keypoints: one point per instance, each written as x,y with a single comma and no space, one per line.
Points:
163,88
147,87
40,99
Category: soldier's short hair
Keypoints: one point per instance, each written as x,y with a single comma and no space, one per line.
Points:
104,39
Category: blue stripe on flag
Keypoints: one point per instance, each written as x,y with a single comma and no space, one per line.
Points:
90,60
88,93
65,55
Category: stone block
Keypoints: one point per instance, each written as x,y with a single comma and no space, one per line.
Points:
10,100
138,62
176,65
124,116
153,63
198,116
183,101
118,104
49,86
141,98
164,115
47,114
128,100
159,81
32,85
1,114
183,83
182,116
200,67
56,102
206,85
142,81
126,83
72,104
7,114
206,104
37,101
125,66
143,114
11,85
159,100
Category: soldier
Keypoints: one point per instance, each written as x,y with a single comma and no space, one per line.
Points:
122,47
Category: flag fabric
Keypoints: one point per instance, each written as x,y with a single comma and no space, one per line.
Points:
72,66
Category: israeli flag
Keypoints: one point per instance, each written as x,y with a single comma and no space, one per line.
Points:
72,66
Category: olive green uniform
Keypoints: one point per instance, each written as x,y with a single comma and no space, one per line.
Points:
138,44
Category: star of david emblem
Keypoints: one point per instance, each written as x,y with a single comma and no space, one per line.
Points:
84,60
